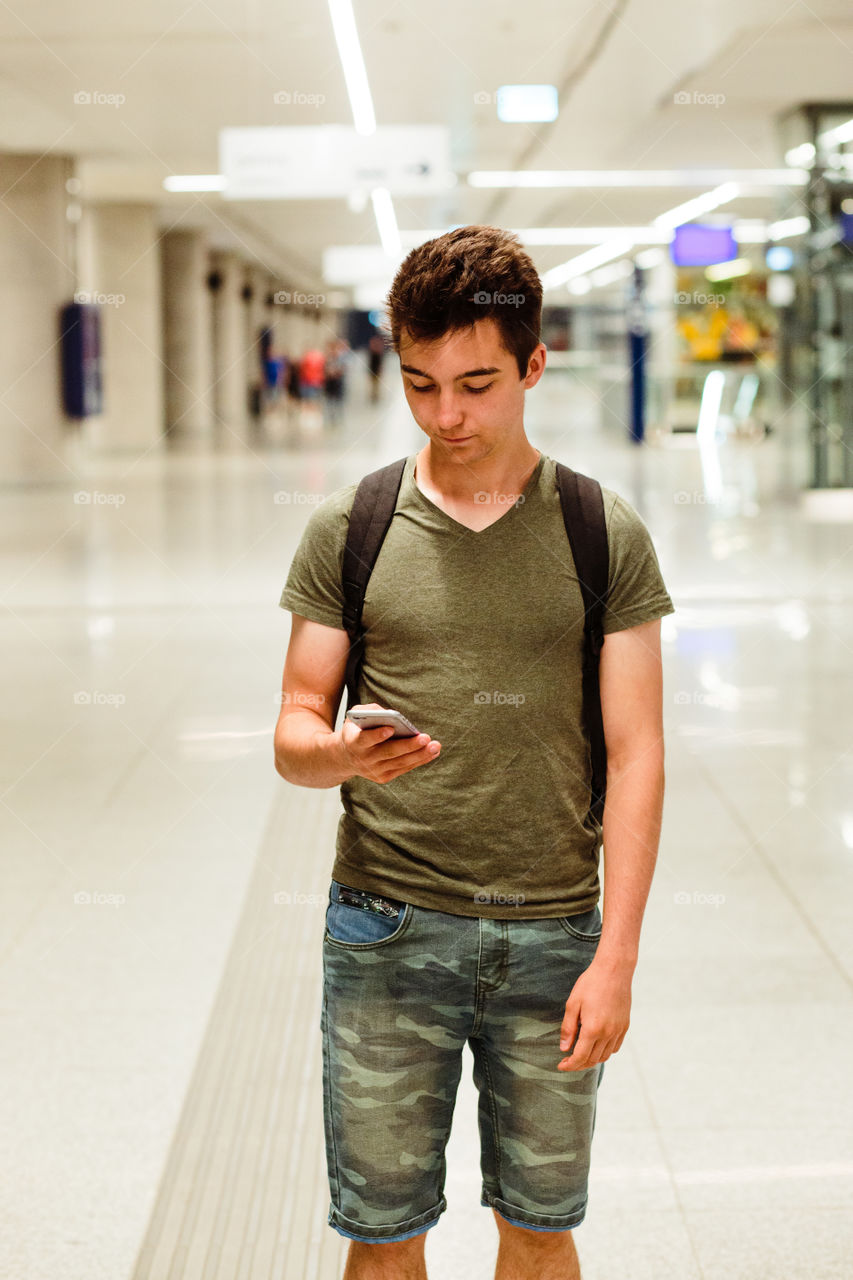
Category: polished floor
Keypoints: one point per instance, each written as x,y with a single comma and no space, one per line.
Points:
158,1033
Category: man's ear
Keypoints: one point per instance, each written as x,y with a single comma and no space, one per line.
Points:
535,365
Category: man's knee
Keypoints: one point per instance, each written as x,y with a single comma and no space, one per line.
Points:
528,1238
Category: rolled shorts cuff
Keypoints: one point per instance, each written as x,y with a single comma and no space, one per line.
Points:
534,1221
387,1233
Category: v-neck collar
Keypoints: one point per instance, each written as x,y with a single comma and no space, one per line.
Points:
525,494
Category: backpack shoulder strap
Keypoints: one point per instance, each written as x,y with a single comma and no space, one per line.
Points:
583,515
371,513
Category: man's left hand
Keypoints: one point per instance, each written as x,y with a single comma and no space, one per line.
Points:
600,1005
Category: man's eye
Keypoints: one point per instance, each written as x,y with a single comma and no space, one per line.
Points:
476,391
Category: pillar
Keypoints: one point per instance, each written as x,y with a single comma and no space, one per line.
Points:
230,400
187,335
127,252
37,271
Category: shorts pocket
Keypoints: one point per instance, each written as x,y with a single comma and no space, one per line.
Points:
585,926
367,920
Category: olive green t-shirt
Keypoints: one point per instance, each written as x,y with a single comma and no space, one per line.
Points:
477,637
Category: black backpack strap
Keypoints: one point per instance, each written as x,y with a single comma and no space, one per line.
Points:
583,514
371,514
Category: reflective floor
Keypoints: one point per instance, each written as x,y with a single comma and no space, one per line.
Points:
144,648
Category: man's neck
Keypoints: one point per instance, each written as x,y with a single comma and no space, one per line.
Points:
501,471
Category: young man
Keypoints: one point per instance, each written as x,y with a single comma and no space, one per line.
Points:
463,906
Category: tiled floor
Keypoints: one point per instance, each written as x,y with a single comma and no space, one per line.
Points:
143,652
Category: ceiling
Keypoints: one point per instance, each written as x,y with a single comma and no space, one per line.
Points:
185,70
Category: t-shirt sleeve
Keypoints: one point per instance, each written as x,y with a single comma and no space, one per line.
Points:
637,591
313,588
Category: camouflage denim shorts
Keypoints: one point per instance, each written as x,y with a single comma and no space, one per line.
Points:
404,990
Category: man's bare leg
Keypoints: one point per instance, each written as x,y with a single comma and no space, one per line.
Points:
401,1260
535,1255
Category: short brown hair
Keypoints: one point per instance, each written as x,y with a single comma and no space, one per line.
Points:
466,275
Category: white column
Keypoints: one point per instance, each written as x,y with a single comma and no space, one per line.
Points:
229,344
187,335
36,270
127,251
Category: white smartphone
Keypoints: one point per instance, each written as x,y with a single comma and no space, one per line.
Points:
380,717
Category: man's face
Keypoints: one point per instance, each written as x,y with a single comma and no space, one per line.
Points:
464,390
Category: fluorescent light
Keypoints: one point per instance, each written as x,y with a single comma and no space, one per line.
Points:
386,221
584,262
649,258
527,103
747,231
801,156
750,230
840,134
788,227
580,285
614,271
589,235
728,270
556,235
195,182
355,73
635,177
700,204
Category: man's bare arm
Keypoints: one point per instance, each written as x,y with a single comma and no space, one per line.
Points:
631,704
309,751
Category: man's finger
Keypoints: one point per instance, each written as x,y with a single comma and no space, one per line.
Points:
405,746
583,1055
614,1044
569,1029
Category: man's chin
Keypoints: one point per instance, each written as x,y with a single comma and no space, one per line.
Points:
450,447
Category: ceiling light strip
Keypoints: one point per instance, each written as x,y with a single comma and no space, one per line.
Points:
635,178
352,61
386,221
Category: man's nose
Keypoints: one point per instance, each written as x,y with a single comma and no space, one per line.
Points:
449,410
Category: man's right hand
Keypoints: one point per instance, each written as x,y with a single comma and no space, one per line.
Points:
378,756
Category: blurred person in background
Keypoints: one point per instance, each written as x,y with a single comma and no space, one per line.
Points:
375,357
334,386
274,373
312,367
292,384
